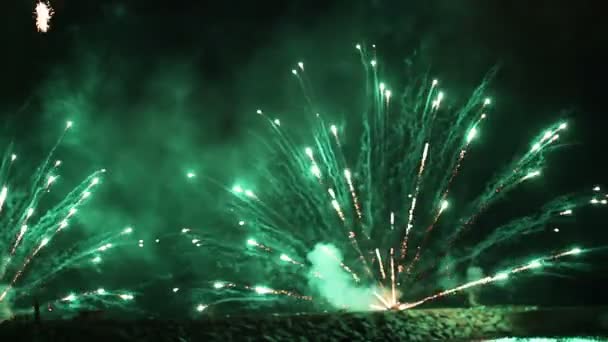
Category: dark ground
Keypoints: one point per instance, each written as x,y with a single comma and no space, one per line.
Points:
413,325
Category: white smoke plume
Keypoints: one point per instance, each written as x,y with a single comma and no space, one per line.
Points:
335,284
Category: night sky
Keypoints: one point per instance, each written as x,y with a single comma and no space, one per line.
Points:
159,88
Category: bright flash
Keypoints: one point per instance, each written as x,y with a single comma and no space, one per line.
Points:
44,12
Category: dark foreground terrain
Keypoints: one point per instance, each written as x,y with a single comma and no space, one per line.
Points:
413,325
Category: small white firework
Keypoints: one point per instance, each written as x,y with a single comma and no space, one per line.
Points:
44,12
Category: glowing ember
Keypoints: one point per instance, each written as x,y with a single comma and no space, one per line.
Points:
44,12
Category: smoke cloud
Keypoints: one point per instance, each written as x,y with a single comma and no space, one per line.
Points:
335,284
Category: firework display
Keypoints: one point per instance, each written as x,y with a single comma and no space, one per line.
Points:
359,223
29,254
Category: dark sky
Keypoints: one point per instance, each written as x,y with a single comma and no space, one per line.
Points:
160,87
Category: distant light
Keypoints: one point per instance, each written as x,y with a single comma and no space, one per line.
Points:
201,307
191,175
556,230
175,289
218,285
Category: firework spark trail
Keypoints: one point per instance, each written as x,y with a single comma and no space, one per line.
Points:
393,280
30,225
443,203
241,293
331,163
461,120
48,223
44,179
335,165
410,219
381,264
491,279
520,170
86,253
311,190
292,167
43,12
328,159
93,299
523,226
